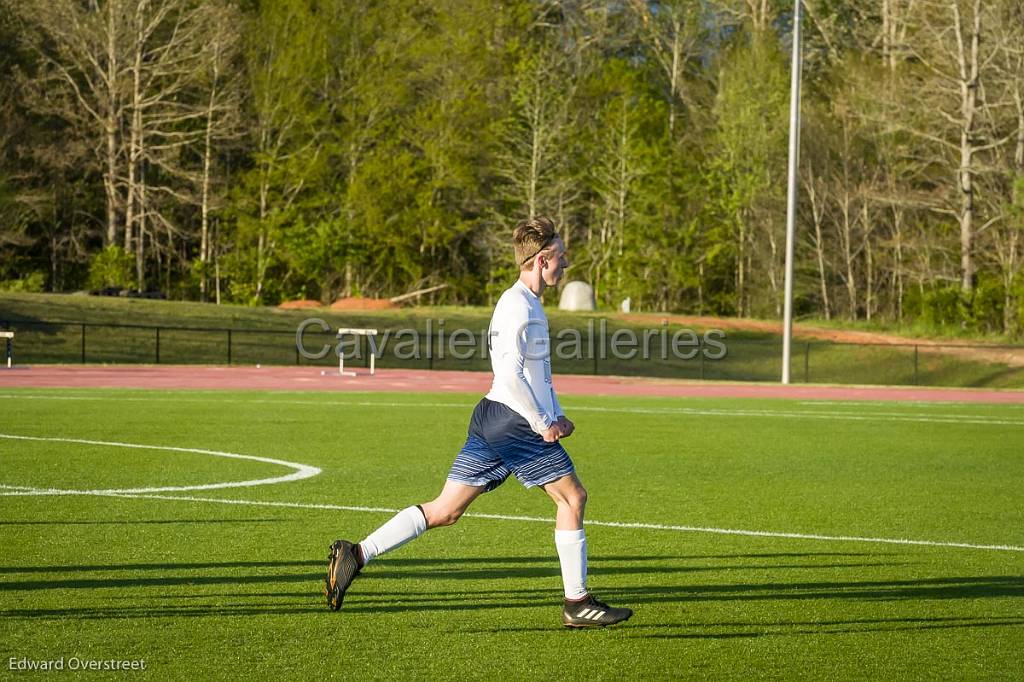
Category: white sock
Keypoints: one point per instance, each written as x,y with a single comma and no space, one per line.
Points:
572,554
404,526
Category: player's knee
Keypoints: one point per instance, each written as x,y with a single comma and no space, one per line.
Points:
445,516
451,516
581,497
577,499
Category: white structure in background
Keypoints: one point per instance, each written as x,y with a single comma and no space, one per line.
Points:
791,194
626,305
370,349
10,343
577,296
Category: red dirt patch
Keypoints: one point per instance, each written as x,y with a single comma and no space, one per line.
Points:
360,303
301,304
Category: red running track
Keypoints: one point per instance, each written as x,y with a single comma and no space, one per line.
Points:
406,381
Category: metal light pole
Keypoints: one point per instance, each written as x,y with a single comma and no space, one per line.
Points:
794,161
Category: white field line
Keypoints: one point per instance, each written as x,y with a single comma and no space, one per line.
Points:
304,471
683,411
300,472
530,519
916,403
815,414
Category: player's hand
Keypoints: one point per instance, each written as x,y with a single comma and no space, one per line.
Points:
552,433
566,426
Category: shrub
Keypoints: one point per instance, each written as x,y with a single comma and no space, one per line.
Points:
944,306
986,306
111,267
33,283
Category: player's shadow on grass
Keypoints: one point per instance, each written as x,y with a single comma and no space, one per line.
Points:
729,630
970,588
161,581
158,611
184,522
225,573
967,587
472,568
742,630
431,561
547,566
376,591
161,566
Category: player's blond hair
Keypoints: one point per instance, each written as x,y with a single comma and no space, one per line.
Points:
531,237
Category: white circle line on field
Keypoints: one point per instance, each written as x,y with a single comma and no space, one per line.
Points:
300,471
538,519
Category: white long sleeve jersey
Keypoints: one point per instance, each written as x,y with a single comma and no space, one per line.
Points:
520,349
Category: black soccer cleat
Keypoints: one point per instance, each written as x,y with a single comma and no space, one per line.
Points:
590,613
342,569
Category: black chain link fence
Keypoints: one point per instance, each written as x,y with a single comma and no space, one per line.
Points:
727,359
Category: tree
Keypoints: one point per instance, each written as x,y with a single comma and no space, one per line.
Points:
749,163
81,77
536,130
1006,239
952,64
670,31
284,64
123,78
221,121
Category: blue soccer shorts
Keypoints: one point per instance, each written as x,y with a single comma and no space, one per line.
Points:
500,442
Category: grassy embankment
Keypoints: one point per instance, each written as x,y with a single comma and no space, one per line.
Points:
267,335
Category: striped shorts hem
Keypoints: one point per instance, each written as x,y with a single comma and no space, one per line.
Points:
500,443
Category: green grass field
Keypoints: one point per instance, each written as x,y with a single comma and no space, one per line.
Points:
210,590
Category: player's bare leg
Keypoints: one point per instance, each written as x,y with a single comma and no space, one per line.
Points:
346,559
581,608
450,504
570,498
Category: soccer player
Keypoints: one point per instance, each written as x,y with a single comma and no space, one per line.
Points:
515,429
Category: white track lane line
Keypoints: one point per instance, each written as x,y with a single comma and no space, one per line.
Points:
682,411
300,472
529,519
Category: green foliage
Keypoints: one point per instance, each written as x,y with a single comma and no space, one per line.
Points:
745,176
378,147
1017,200
33,283
913,303
985,312
944,306
286,67
112,267
947,309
